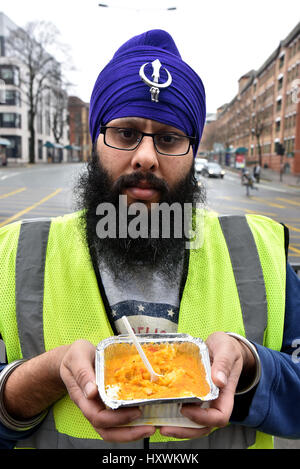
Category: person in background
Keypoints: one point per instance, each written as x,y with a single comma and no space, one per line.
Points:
256,172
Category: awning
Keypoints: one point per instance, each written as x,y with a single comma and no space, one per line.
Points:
230,150
4,142
72,147
53,145
48,145
241,150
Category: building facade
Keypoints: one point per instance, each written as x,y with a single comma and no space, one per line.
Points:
14,111
265,111
80,141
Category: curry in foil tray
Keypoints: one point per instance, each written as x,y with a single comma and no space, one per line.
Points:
127,378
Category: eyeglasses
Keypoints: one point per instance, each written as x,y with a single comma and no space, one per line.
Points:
126,139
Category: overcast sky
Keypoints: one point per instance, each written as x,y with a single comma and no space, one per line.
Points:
220,39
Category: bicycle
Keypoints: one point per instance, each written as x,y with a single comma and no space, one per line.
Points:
248,181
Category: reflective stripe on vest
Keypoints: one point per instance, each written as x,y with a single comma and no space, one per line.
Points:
30,263
248,275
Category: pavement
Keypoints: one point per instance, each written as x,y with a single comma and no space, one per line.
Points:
268,175
286,179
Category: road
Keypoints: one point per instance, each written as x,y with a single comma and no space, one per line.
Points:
282,204
46,191
36,191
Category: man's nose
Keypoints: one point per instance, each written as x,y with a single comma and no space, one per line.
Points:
145,156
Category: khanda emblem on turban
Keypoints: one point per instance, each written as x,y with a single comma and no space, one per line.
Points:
155,86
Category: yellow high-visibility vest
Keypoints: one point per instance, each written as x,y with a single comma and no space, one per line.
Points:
50,297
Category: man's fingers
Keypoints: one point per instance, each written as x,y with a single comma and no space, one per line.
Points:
106,418
226,357
90,390
216,416
125,435
77,370
184,432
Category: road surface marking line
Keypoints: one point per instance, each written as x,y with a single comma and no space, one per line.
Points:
248,210
253,200
259,212
293,228
3,196
258,199
28,209
294,249
292,202
243,209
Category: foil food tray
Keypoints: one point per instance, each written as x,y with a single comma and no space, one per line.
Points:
163,411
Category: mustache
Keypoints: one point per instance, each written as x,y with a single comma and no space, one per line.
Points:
134,179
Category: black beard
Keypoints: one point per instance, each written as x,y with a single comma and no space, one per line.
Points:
95,186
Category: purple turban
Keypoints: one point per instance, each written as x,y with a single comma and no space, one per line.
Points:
120,92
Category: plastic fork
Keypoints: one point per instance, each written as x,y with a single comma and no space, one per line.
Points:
153,374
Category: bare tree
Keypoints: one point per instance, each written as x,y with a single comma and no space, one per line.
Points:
31,47
257,129
210,136
59,111
262,118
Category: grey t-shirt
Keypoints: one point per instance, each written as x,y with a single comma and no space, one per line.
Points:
149,300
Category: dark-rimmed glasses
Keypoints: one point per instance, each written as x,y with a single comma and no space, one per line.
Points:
165,143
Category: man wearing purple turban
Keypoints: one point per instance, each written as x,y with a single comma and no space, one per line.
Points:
125,253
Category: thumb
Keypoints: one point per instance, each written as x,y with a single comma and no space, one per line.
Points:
222,356
90,390
219,377
77,370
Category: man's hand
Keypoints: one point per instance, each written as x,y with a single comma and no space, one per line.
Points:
230,360
77,372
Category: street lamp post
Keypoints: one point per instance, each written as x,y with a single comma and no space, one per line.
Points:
105,5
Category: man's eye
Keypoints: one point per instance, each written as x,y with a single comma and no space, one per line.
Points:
127,133
168,138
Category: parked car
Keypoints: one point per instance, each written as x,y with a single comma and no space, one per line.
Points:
199,165
213,170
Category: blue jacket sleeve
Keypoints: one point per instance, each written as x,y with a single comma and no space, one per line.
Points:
274,405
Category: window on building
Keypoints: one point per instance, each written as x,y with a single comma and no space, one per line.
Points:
279,104
47,123
10,120
10,74
280,83
40,149
278,126
15,148
290,147
281,61
40,123
2,46
11,98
